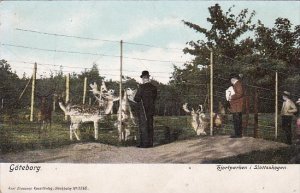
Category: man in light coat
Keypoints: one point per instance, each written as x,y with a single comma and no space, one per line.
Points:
287,113
236,105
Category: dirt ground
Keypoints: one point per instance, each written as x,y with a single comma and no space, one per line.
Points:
200,150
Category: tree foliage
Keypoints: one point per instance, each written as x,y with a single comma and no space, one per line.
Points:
242,46
238,43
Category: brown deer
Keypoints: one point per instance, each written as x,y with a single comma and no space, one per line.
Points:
45,111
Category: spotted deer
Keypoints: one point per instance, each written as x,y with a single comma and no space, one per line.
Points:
81,114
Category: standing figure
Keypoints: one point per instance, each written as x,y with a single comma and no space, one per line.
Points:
287,113
235,96
145,97
297,132
45,111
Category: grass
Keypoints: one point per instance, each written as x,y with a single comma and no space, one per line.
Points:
29,136
23,135
266,127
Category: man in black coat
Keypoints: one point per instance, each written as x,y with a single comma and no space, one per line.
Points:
145,97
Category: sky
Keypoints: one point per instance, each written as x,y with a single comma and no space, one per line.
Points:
157,23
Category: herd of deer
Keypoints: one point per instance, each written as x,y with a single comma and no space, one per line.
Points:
80,114
106,98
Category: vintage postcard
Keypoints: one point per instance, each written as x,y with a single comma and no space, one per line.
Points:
144,96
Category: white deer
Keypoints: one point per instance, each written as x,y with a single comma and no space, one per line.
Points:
126,115
104,97
198,117
200,122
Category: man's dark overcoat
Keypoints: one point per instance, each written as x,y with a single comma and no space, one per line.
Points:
146,96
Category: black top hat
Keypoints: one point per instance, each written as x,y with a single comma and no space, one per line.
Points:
145,73
286,93
234,75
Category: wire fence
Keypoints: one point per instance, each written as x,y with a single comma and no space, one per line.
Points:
262,101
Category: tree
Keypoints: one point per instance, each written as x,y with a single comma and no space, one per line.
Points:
92,75
253,50
190,83
9,86
227,37
223,36
279,48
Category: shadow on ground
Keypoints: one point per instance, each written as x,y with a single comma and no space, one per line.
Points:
283,155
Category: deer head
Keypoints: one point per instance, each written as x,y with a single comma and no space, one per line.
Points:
130,94
94,86
103,87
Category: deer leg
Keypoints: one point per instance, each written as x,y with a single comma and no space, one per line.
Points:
71,131
96,129
47,125
50,123
131,115
123,135
127,133
119,131
132,118
75,127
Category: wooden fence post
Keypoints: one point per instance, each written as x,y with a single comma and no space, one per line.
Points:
276,105
84,90
211,94
67,91
255,113
120,91
247,111
54,103
33,91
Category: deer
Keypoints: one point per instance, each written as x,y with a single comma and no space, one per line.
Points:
109,99
200,122
127,117
104,97
45,111
81,114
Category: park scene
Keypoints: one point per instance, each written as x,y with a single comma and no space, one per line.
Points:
149,82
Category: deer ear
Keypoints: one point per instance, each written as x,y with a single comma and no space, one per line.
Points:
200,108
38,95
